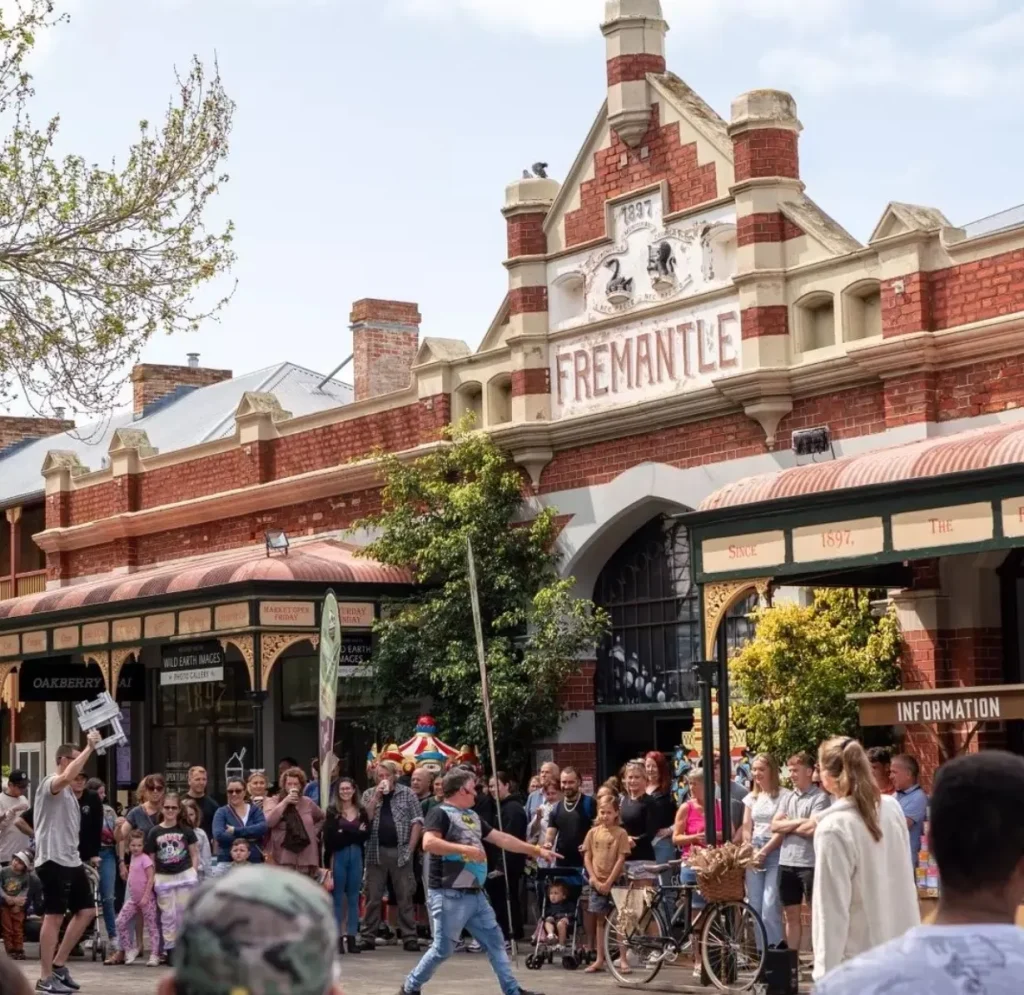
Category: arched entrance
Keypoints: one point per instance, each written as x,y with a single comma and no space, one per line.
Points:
646,687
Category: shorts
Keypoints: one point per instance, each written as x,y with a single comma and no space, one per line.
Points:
796,884
598,904
66,890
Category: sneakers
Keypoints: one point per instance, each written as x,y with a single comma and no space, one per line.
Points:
474,947
63,975
411,945
131,956
154,960
52,986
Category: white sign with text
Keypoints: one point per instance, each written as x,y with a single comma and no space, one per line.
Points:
644,360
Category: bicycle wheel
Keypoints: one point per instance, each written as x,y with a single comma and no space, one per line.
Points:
641,948
733,944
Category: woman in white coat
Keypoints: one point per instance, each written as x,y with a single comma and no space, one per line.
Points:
864,889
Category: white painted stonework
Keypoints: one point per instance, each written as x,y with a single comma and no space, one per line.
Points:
647,263
654,357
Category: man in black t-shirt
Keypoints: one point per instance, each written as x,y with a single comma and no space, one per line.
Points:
456,874
197,782
571,820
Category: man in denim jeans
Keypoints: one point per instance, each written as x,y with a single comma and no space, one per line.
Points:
456,875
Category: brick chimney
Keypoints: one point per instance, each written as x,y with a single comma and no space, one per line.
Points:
635,34
151,382
15,430
385,339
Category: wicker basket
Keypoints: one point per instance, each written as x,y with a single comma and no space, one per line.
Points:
729,887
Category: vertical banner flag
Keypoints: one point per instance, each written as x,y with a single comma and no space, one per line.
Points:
330,654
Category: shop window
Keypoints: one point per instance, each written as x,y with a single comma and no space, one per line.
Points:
647,659
815,322
469,399
499,400
201,724
862,311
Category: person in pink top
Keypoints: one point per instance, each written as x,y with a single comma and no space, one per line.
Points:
294,822
139,900
690,824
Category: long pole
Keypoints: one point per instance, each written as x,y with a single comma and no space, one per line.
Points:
485,693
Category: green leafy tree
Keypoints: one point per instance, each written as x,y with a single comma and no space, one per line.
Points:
791,680
534,629
95,261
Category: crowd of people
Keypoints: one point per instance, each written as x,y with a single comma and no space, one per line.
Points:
842,836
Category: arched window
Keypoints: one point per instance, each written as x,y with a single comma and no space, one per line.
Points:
647,659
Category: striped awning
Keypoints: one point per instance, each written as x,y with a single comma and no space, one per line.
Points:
965,452
325,561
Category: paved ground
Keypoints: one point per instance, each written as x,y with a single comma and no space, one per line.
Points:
381,973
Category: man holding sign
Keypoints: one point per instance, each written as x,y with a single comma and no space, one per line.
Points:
456,874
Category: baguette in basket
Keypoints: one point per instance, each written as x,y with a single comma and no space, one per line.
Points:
721,871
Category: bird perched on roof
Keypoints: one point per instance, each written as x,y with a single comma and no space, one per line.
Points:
527,175
540,170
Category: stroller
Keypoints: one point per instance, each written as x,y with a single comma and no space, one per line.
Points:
573,952
93,936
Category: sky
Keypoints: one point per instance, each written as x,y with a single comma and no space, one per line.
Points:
373,140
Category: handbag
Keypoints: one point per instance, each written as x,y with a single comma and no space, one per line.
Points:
296,839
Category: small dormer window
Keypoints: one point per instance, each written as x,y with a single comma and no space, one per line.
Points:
862,311
815,322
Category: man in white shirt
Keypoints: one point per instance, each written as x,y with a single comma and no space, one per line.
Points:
66,888
977,837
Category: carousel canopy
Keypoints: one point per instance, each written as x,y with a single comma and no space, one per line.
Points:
425,745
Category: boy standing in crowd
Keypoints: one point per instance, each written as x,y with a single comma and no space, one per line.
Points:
795,818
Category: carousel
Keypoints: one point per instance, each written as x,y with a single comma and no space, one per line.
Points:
424,750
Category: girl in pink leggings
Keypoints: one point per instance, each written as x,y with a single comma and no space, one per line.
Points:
140,900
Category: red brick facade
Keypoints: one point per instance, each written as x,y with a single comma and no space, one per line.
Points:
766,152
526,235
770,227
535,381
620,169
952,658
957,295
772,319
14,430
527,300
385,339
906,304
628,68
151,382
578,692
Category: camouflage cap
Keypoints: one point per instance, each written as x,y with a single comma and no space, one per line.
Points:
257,930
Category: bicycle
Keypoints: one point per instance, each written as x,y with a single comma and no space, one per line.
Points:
731,937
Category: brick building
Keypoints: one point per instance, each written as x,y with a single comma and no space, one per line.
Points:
677,308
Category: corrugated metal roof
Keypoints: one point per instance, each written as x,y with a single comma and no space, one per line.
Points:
978,449
318,561
1004,220
194,417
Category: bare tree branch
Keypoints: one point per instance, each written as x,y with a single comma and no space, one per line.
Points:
94,262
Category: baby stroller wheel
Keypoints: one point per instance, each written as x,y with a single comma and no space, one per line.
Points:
532,962
570,962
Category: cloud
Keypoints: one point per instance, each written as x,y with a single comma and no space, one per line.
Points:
570,19
965,65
